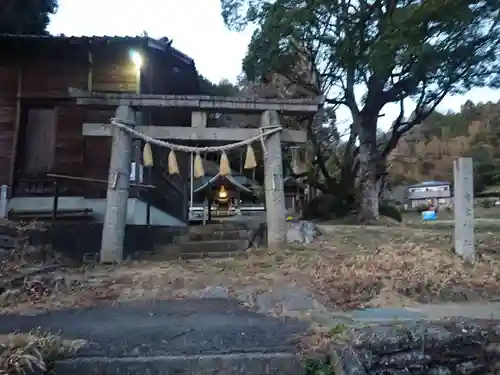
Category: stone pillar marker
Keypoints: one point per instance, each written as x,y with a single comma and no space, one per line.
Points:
463,203
115,217
4,202
274,184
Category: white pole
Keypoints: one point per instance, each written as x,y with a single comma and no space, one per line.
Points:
3,201
191,185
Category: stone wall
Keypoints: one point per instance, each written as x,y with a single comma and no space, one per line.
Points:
434,348
82,240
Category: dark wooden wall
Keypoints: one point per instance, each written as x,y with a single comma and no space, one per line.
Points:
8,114
39,77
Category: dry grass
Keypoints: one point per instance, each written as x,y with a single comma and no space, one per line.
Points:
389,266
33,352
405,275
368,267
348,267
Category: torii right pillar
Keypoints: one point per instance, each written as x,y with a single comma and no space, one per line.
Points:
274,184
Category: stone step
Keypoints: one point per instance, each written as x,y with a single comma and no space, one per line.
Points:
220,227
216,235
216,364
158,257
215,255
199,249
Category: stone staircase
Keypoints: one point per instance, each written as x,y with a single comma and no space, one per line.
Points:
212,240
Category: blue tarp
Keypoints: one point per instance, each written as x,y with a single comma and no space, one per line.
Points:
429,215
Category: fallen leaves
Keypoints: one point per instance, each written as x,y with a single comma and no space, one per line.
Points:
350,267
416,267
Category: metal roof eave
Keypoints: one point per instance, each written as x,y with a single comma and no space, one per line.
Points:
228,177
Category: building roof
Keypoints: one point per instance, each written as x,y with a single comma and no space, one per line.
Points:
211,169
218,178
212,176
429,184
162,44
241,180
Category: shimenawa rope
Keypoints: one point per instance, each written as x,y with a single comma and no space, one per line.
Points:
263,133
173,166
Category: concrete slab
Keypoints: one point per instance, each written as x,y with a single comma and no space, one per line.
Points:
382,315
225,364
174,327
210,333
198,336
471,310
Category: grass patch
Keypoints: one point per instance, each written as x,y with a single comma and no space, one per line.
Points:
26,353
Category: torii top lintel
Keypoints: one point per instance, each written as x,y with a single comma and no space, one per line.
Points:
199,102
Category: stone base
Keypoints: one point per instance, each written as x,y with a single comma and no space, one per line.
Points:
300,232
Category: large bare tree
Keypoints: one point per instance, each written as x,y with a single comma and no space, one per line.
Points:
396,50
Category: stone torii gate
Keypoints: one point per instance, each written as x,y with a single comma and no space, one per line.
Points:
121,152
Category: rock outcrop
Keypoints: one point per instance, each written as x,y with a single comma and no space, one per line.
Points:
433,348
300,232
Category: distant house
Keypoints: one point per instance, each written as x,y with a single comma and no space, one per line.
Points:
438,192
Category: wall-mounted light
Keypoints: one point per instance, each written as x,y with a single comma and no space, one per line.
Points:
136,58
138,61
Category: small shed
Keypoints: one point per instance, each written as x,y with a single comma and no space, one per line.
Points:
213,180
229,182
439,193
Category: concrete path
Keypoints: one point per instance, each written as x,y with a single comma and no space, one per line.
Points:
212,331
178,327
424,312
480,223
188,336
467,310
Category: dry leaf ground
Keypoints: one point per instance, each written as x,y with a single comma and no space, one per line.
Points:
348,267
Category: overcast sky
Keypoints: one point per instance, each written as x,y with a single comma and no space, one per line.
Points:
196,28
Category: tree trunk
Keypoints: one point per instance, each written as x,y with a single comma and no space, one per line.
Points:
369,180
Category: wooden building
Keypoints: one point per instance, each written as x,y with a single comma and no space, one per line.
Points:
41,125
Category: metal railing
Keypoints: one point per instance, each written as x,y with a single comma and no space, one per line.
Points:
165,195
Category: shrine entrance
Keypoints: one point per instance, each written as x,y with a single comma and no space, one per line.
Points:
123,128
221,195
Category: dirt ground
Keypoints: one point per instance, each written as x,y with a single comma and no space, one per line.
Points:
347,267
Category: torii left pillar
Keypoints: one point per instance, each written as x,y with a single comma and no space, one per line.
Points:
274,184
115,218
